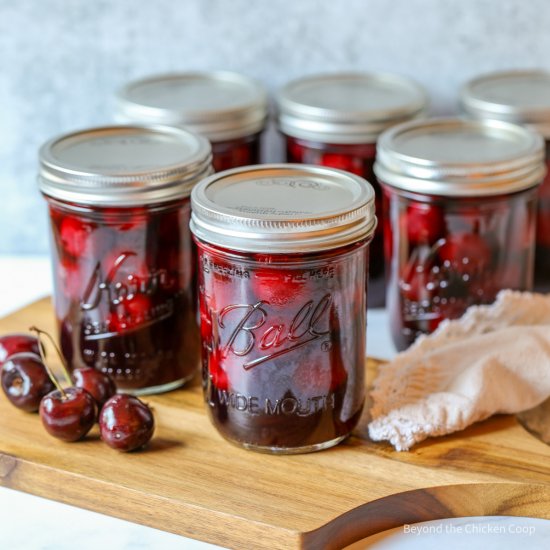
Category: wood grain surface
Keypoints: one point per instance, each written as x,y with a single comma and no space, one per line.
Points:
191,482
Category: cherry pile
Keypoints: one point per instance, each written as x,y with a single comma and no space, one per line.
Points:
69,413
446,256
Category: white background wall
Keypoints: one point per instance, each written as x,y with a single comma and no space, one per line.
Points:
61,60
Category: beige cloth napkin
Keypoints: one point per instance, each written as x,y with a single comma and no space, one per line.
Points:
495,359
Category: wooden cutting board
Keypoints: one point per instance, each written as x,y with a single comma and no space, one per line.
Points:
191,482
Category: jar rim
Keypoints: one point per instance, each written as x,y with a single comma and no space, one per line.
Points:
219,105
455,156
348,107
518,96
282,208
123,165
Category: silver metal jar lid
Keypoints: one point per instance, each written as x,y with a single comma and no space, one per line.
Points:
459,157
347,107
282,208
219,105
123,165
522,97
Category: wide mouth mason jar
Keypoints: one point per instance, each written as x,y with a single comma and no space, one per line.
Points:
283,252
335,119
123,261
460,203
521,97
227,108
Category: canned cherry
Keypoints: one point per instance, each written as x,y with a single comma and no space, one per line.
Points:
460,200
283,252
122,252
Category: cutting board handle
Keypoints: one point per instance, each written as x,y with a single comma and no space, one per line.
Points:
450,501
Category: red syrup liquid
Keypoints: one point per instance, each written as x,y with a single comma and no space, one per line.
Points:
124,295
283,345
446,254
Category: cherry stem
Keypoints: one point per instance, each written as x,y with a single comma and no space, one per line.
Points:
42,349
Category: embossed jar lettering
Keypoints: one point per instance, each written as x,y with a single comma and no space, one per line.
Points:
256,334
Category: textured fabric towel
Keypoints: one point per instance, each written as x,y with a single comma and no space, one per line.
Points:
495,359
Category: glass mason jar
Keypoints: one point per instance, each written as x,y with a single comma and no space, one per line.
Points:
335,119
283,252
521,97
123,261
227,108
460,202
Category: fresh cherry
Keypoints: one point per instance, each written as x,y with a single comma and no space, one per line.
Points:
68,414
25,381
98,384
126,423
11,344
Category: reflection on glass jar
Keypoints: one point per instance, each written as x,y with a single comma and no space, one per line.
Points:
282,303
229,109
522,97
334,120
124,266
460,224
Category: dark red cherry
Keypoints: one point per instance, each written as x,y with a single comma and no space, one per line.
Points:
98,384
68,415
11,344
126,423
137,307
132,313
218,373
465,253
425,223
343,162
25,381
75,235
